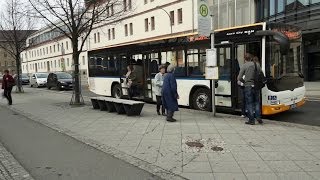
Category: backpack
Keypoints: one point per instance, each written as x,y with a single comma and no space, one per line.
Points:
259,80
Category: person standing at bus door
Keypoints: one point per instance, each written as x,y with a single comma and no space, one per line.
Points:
138,68
7,83
167,64
257,107
243,104
158,88
131,81
248,70
170,94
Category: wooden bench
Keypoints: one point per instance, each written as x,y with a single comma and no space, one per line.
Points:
121,106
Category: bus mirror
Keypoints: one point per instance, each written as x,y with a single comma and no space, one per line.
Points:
279,37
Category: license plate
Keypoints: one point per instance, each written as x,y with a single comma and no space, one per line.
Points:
293,106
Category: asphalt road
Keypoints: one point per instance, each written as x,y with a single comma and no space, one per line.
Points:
309,114
49,155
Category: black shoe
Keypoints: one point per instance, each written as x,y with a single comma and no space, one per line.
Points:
260,121
10,103
158,112
171,120
164,114
250,123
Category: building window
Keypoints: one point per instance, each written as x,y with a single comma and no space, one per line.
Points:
146,25
125,5
68,63
55,63
95,37
112,10
109,34
129,4
67,45
54,48
47,50
113,33
126,30
272,7
172,17
58,47
131,29
315,1
50,50
180,16
83,60
152,23
98,36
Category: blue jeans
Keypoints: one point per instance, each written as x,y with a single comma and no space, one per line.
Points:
253,104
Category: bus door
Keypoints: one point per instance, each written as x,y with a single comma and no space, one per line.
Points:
225,56
150,67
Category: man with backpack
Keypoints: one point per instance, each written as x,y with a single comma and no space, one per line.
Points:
7,84
253,82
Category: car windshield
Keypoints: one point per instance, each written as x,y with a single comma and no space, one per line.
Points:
42,75
64,76
24,76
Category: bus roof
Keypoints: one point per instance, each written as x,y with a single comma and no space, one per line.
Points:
236,27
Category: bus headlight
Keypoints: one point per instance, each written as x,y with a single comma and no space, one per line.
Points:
276,102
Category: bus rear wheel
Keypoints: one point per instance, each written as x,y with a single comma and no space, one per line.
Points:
117,91
201,99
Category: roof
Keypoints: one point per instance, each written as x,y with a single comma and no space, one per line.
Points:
20,33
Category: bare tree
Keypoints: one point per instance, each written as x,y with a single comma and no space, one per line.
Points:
76,19
15,27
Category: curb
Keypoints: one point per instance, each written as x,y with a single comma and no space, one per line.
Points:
10,168
221,115
144,165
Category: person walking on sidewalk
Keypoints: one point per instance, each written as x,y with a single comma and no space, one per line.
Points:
158,88
7,84
252,95
170,94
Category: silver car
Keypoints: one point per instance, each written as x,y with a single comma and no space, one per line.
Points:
38,79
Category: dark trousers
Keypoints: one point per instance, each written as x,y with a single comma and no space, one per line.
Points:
132,91
7,94
243,104
159,104
170,114
253,104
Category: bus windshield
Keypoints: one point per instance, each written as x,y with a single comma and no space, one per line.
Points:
284,71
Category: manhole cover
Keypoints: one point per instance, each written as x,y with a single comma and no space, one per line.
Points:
217,148
194,144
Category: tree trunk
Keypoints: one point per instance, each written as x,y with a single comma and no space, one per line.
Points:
75,56
19,82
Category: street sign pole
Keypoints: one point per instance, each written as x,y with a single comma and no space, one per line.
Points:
213,83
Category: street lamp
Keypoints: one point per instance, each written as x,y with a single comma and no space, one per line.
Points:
170,18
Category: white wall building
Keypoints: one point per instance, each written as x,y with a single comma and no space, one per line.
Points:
146,20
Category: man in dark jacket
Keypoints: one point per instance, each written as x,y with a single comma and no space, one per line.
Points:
169,94
7,84
252,95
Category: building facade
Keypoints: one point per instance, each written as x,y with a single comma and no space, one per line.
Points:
143,21
302,13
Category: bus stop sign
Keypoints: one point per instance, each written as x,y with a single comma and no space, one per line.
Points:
204,18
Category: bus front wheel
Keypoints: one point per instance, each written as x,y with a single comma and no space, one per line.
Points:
201,99
117,91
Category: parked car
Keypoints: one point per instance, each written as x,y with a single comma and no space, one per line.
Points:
60,80
23,77
38,79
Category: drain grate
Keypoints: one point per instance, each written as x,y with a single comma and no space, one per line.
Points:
217,148
194,144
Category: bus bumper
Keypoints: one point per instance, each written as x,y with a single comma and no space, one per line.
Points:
275,109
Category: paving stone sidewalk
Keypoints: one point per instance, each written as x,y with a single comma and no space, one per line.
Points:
10,169
225,148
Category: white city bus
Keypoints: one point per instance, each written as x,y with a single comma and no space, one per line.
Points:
277,46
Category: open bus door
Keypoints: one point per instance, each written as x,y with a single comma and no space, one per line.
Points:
150,69
227,90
